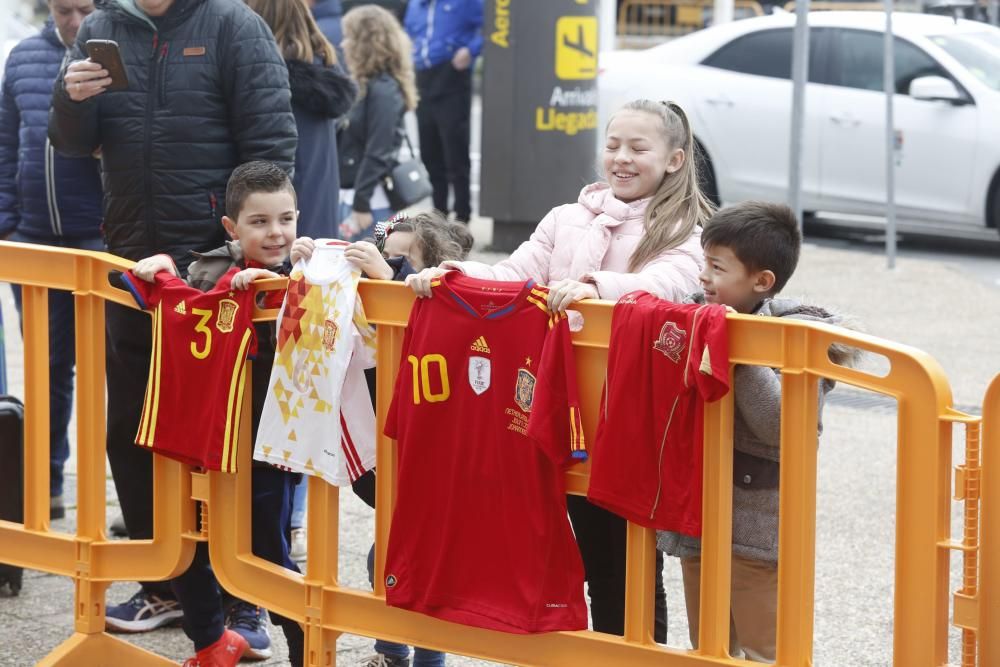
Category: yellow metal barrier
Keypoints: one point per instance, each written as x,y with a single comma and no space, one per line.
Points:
326,609
667,18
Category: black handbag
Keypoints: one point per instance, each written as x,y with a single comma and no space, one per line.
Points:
408,182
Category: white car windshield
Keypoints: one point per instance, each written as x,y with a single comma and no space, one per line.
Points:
978,52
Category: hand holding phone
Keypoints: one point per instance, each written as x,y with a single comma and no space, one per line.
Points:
105,53
84,79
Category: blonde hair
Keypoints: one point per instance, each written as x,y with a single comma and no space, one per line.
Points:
678,205
375,43
295,30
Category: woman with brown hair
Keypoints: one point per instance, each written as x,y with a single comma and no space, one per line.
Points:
377,52
321,92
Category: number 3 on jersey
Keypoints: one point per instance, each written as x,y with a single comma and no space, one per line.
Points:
421,378
206,315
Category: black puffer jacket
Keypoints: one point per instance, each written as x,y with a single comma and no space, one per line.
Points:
207,91
370,139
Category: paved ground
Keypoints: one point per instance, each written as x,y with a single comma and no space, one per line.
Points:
930,304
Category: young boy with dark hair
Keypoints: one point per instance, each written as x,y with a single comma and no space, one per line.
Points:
261,222
751,251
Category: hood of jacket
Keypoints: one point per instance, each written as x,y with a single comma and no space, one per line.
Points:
601,201
128,10
322,90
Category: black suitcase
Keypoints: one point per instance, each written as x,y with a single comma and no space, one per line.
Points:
11,478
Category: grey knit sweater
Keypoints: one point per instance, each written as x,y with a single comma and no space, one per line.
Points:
756,440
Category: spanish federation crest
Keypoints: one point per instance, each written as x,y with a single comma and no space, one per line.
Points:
227,314
479,374
671,341
524,392
329,335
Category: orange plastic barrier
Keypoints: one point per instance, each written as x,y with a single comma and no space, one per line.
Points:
326,609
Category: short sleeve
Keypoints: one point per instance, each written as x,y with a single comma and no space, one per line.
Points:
555,423
147,294
709,361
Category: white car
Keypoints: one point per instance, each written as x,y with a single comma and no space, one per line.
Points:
735,82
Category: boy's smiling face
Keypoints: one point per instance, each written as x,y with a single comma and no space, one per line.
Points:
265,227
727,281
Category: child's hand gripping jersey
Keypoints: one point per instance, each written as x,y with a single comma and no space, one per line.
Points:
197,371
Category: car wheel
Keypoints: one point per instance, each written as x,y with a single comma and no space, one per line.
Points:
993,203
706,173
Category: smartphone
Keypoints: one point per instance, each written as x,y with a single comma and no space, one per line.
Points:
105,53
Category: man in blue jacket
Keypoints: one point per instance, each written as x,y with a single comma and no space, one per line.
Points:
48,199
447,38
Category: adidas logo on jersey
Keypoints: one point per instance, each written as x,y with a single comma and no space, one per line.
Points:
480,345
181,308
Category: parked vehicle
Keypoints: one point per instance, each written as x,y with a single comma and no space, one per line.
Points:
735,81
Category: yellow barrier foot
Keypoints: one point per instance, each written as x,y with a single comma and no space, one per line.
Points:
101,650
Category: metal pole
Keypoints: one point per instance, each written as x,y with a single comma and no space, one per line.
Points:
722,12
889,76
607,22
800,71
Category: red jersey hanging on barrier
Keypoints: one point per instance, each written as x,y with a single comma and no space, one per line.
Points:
487,417
664,361
201,340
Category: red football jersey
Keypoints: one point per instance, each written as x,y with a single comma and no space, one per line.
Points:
664,361
487,416
197,371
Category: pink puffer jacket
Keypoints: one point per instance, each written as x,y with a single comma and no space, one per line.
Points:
593,240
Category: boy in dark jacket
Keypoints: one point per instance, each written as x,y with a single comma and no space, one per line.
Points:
751,250
262,201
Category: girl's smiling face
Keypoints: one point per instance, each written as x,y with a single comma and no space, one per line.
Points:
636,155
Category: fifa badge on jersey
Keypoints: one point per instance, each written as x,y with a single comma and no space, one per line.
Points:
671,341
227,315
524,392
329,335
479,374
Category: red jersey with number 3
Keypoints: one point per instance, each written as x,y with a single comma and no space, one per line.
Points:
487,417
197,372
664,361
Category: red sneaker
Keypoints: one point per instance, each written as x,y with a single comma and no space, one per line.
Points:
224,653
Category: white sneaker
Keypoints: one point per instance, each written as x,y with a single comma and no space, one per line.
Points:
298,547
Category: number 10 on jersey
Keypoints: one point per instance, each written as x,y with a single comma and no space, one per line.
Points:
422,378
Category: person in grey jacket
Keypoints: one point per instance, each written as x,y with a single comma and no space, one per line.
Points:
751,251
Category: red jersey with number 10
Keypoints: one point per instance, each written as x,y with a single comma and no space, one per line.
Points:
487,417
197,371
664,361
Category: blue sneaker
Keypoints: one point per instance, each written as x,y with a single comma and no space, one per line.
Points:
143,612
251,623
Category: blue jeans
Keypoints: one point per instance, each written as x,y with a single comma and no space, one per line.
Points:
422,657
299,503
378,215
62,357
